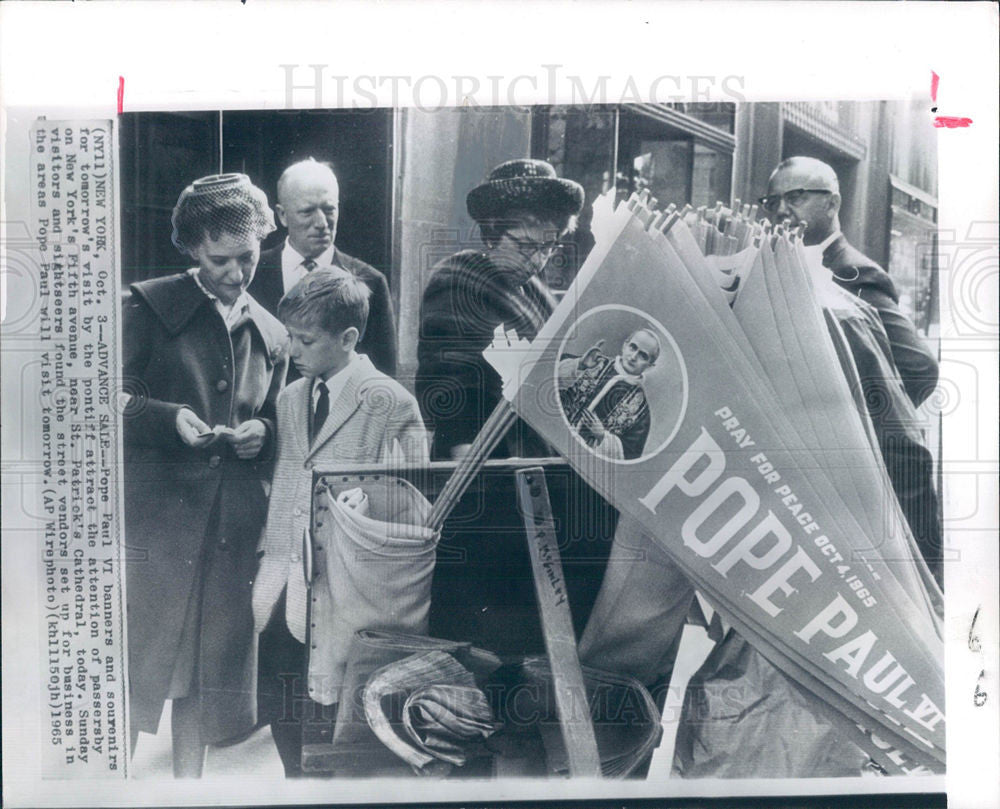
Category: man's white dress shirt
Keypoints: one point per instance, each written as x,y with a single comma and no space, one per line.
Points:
294,265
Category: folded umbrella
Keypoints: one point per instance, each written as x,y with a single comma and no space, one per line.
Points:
438,704
444,720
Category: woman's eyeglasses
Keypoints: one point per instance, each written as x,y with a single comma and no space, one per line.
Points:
530,248
772,202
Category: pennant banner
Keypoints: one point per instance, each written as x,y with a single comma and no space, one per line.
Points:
732,436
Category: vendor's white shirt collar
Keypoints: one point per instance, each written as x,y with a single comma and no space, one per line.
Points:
814,252
826,291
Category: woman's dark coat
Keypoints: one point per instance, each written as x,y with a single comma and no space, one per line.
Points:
194,514
466,298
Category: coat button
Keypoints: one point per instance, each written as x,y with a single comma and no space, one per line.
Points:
222,385
214,461
295,557
308,465
297,511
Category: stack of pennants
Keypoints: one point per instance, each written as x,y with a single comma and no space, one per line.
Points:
761,477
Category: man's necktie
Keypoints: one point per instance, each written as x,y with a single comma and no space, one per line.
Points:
321,411
309,264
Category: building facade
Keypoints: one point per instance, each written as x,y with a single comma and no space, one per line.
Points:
404,175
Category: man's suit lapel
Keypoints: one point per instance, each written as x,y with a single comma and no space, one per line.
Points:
267,285
344,406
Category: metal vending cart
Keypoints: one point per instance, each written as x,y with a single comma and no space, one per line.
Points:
519,559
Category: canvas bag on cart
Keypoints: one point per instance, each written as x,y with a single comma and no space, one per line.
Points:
373,563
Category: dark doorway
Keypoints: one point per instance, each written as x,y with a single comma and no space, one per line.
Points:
162,152
358,144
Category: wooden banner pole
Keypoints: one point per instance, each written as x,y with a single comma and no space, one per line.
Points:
575,721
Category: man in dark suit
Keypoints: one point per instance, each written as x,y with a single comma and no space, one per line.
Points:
803,189
308,205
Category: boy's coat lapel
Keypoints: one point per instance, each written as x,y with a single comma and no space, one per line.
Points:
300,406
344,406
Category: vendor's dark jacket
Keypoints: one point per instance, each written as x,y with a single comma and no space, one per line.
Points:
636,625
379,340
861,276
879,390
194,511
466,298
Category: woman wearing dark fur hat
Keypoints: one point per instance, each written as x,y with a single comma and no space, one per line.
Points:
522,210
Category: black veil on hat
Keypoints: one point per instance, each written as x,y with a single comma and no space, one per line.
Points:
524,184
229,202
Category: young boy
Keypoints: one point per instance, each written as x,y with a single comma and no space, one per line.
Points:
341,411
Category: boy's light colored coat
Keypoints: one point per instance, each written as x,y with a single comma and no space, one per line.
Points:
373,419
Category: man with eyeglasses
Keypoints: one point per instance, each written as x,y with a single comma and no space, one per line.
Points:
521,208
803,189
895,367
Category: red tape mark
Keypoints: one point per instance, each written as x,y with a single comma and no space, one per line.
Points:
951,121
945,121
121,94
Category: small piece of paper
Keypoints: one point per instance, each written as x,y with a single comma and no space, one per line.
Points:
218,431
511,357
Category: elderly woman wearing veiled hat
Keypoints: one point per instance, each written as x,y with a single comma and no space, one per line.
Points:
204,363
522,210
